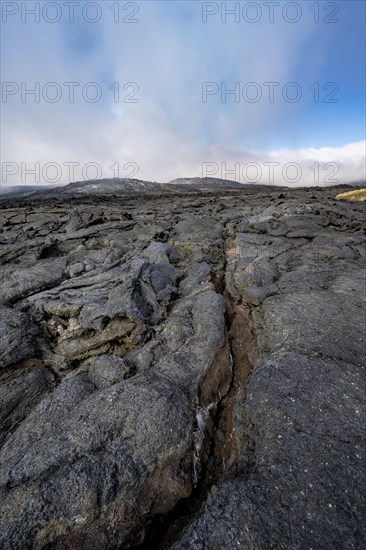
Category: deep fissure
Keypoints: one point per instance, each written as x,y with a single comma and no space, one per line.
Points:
165,529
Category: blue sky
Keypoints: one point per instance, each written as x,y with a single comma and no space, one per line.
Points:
169,53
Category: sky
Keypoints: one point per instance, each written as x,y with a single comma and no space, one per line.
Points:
267,92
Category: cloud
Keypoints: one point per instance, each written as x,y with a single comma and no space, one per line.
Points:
168,157
290,167
170,132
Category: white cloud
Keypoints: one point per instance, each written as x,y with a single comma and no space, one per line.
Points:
290,167
170,133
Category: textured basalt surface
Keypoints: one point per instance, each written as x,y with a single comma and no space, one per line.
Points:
183,371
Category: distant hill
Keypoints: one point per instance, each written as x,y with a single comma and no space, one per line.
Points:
135,186
111,185
138,186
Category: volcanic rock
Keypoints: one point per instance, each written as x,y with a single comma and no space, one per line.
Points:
186,378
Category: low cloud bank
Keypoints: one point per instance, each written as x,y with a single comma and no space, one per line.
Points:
307,167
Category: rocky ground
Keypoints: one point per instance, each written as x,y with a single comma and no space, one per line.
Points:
183,371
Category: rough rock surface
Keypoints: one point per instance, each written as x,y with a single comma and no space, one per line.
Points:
183,371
